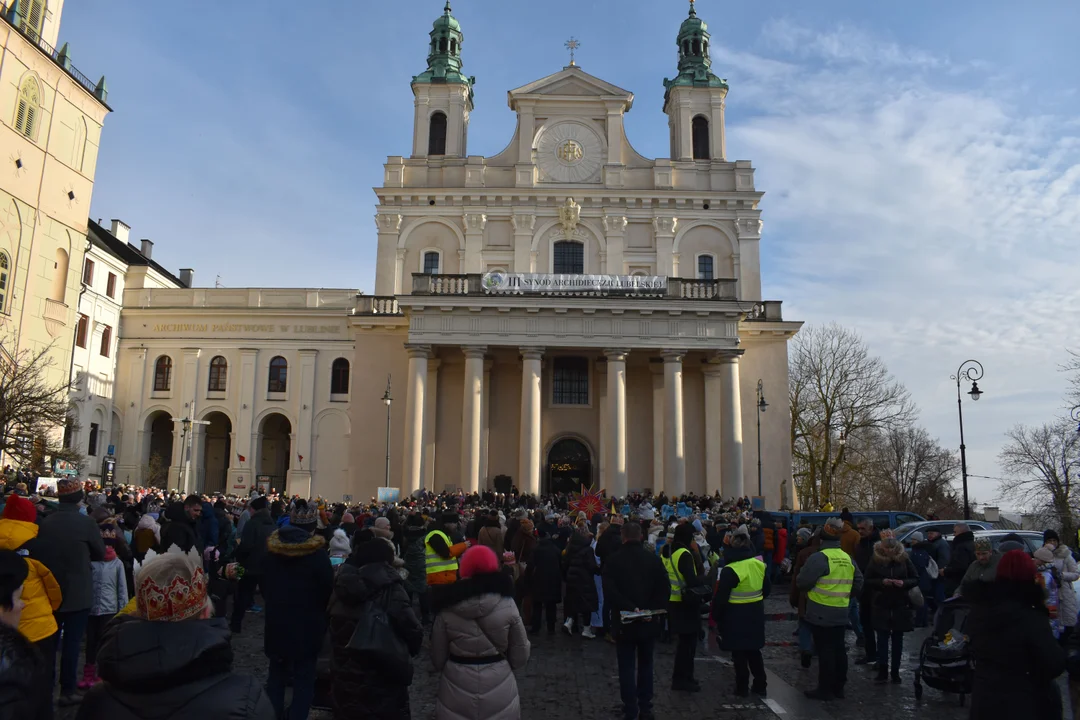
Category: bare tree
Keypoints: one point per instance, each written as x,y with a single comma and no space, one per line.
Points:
33,411
1044,464
910,470
1073,368
837,391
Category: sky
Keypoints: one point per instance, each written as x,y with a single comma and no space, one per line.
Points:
921,161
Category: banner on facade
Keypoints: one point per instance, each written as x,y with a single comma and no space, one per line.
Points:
502,283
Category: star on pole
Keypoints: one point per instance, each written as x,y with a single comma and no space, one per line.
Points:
572,45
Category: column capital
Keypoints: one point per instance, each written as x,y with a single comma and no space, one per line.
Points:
531,352
723,357
433,364
474,352
616,354
673,356
418,351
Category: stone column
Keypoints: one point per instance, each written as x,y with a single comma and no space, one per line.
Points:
674,452
414,418
615,235
656,367
471,408
731,426
389,225
524,224
714,469
664,230
529,444
475,222
616,466
485,422
431,394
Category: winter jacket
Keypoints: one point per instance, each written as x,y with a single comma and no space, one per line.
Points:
684,616
110,585
939,551
581,568
24,682
41,591
208,527
439,546
608,543
890,606
740,626
977,572
780,552
635,578
849,539
1067,570
413,544
252,548
180,530
960,558
920,558
544,573
67,542
477,618
296,584
1016,655
797,597
171,671
817,566
361,688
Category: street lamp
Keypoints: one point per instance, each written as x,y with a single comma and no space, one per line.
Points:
969,370
387,399
761,405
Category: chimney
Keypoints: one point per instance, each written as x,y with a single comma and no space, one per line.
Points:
187,276
147,248
120,230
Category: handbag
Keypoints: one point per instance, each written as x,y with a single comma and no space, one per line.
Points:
375,639
915,597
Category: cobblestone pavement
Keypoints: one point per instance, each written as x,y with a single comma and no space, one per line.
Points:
575,678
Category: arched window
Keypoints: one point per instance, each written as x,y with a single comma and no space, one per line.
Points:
569,258
686,48
697,47
219,373
437,134
431,262
60,276
5,269
163,374
279,375
28,108
700,133
442,45
339,377
705,267
453,46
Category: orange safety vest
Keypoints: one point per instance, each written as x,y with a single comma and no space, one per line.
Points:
768,539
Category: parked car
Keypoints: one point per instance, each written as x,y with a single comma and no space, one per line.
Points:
883,519
945,527
1033,540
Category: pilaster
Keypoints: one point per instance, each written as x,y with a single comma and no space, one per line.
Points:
524,224
389,228
664,228
475,222
615,236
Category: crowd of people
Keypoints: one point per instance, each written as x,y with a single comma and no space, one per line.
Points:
138,592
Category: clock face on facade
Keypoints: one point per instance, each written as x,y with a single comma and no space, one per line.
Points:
569,153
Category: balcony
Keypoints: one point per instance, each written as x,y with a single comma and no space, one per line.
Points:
677,288
55,314
377,305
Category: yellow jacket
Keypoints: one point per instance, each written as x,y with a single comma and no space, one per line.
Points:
41,592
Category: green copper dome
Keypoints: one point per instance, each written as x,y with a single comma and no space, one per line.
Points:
444,53
695,64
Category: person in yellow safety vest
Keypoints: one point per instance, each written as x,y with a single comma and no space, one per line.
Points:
441,552
830,579
682,560
738,609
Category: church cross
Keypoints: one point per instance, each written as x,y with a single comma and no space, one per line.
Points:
572,45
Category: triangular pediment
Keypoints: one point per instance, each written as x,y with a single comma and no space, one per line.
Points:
572,82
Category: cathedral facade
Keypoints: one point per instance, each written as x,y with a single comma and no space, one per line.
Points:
566,312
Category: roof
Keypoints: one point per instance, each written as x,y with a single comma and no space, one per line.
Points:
571,81
125,252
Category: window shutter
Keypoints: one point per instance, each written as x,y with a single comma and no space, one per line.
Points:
20,117
34,18
31,111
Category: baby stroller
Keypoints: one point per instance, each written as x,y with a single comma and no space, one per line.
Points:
945,661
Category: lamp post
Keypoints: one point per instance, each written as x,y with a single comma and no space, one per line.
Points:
387,399
761,405
969,370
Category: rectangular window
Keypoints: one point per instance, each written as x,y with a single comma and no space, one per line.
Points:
569,258
431,263
705,267
88,272
81,331
570,381
106,341
91,448
110,286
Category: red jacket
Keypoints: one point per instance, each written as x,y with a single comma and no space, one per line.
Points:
780,550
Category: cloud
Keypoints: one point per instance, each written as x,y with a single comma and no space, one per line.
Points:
937,217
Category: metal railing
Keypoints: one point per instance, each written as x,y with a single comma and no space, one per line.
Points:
377,305
62,61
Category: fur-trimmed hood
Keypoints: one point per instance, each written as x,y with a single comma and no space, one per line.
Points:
457,595
292,541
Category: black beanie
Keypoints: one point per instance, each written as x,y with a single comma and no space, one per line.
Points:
1050,535
258,503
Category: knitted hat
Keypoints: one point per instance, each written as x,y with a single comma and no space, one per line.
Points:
69,490
1050,535
917,537
371,551
834,527
983,544
414,520
304,515
339,543
382,528
741,530
1016,566
803,534
348,518
21,489
19,508
478,560
1045,554
846,516
449,518
258,503
171,586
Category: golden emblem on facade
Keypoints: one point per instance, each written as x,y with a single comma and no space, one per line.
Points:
570,152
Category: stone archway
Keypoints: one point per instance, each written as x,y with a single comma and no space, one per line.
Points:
217,451
157,456
275,450
569,466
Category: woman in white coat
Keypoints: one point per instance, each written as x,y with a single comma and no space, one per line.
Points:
1068,606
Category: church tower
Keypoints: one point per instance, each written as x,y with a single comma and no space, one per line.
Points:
694,100
444,97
